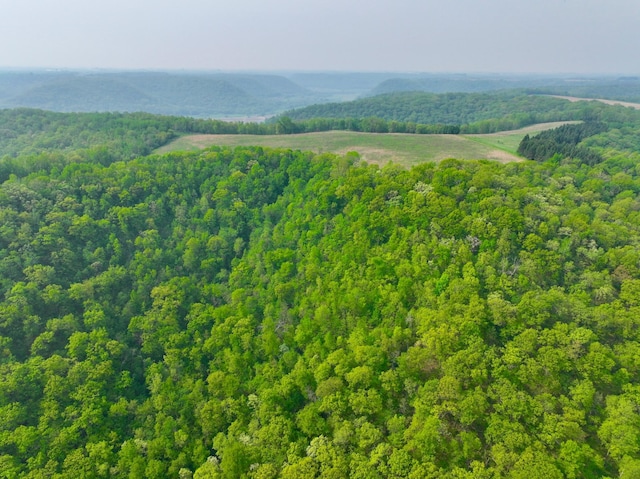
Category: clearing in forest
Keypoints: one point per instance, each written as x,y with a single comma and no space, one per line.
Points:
379,148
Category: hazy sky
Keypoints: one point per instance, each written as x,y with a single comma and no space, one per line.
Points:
547,36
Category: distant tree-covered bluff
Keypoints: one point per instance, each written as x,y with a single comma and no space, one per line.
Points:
614,88
472,112
189,94
257,313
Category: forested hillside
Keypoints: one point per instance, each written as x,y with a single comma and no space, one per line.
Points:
624,88
615,88
563,141
457,83
472,112
26,134
271,313
191,94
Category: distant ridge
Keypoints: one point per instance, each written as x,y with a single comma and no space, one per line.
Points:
452,84
448,108
244,95
622,88
82,94
193,94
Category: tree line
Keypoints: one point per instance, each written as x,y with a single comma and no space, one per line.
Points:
564,141
472,112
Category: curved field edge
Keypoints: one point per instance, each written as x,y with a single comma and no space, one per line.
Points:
379,148
574,99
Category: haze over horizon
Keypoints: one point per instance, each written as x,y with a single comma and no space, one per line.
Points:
495,36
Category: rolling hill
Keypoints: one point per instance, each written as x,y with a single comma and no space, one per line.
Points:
378,148
190,94
473,112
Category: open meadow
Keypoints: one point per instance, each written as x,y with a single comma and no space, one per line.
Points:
379,148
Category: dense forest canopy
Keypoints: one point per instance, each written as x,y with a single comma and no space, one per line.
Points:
473,112
563,141
268,313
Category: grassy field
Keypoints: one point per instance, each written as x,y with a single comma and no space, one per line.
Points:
378,148
509,140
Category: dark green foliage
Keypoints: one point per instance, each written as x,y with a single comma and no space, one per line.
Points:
284,125
121,136
473,112
269,313
564,141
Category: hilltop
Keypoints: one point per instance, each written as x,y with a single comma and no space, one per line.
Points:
195,94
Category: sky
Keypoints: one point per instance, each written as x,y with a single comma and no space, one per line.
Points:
510,36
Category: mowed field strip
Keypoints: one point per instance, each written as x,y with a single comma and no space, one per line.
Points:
628,104
379,148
